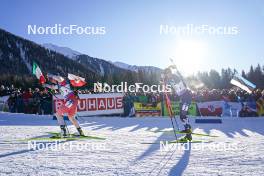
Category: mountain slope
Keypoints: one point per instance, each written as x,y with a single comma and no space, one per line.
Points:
118,70
18,54
68,52
99,66
136,68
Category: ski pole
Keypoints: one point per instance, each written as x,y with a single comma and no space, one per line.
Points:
168,105
170,114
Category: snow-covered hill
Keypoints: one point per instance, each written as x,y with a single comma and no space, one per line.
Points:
146,69
126,66
17,55
68,52
124,152
101,66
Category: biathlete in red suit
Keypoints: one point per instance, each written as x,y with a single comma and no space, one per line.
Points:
70,102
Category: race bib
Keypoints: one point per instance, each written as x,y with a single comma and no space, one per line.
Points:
65,90
69,103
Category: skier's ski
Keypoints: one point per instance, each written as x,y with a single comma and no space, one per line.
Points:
197,134
180,132
52,138
178,141
58,135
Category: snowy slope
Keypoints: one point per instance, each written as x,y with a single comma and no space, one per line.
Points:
126,66
68,52
72,54
123,152
147,69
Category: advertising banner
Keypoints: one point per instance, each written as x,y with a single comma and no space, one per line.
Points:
142,109
210,108
176,109
95,104
231,108
252,105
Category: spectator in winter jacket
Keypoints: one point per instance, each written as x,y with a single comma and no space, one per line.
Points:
36,101
27,97
11,103
45,102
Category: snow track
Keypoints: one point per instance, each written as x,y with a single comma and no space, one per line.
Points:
123,152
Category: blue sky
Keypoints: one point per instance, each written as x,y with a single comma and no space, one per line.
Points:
133,30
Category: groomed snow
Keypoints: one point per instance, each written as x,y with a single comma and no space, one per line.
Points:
123,153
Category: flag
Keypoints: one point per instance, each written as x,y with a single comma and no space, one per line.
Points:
210,108
242,83
76,81
36,71
56,79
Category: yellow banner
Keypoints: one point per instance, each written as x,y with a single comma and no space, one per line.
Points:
147,109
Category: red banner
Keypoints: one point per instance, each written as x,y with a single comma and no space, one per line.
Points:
211,108
95,104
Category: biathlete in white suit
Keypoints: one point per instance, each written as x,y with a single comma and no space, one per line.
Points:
69,105
180,88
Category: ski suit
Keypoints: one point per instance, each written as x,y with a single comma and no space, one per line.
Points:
70,99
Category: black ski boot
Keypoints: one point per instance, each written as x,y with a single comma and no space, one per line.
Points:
188,131
80,131
63,131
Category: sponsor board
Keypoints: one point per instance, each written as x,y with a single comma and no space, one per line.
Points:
231,108
176,109
210,108
144,109
95,104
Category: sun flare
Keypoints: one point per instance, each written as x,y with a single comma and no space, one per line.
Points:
189,55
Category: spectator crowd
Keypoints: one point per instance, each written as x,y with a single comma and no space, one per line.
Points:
27,100
39,101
